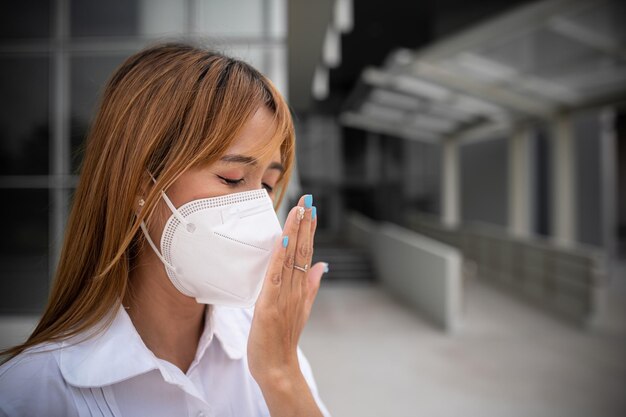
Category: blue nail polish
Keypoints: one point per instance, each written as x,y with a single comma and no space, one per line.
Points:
313,212
308,201
326,268
285,241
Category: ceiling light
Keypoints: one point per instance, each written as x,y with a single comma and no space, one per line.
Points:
344,15
319,88
331,50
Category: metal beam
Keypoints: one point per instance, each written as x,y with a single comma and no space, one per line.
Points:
493,93
520,20
567,27
360,121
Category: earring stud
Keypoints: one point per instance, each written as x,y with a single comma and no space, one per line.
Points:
141,202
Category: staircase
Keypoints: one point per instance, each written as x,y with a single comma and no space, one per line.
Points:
346,262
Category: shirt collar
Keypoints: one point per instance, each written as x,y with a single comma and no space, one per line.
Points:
118,352
232,327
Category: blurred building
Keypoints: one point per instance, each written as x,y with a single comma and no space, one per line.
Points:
497,129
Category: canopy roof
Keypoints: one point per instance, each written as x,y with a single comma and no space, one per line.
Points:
531,63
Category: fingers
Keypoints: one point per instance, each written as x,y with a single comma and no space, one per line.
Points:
298,228
283,282
274,276
314,278
303,244
313,228
291,232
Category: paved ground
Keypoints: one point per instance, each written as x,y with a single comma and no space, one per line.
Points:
374,357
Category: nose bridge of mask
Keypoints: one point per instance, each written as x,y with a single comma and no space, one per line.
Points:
243,209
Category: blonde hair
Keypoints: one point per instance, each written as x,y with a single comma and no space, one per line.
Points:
164,110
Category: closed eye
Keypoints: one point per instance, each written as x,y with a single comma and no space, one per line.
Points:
231,181
235,182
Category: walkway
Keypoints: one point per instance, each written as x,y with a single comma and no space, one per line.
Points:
373,357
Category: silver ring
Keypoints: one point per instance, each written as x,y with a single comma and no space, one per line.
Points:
300,268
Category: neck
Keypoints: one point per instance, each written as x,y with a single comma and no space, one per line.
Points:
169,323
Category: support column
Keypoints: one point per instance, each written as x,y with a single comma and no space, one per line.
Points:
563,187
608,173
520,182
450,195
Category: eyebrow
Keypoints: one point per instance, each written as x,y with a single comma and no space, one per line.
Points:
242,159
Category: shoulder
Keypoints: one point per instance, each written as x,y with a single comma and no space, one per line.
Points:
30,365
34,374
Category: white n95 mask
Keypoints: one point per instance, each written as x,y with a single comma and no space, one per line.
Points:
217,250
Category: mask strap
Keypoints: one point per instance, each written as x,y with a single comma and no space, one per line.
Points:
154,248
176,214
173,209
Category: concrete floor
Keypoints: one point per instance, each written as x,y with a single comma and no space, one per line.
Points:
374,357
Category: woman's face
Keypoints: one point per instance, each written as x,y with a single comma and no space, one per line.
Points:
233,173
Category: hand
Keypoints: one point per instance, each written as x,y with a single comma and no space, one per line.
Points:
284,306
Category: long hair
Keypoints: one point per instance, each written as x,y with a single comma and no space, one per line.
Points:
165,109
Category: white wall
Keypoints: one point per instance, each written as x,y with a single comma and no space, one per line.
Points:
421,271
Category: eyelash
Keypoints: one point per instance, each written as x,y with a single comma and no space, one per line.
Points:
234,183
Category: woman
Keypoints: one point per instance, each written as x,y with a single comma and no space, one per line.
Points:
190,152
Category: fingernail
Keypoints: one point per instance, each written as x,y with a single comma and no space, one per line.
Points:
308,201
326,268
313,212
285,241
300,214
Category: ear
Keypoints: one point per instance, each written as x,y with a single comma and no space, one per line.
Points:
144,188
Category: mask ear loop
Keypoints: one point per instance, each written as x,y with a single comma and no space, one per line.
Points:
154,248
189,226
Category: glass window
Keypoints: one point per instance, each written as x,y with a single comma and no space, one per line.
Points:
24,251
127,17
24,126
25,19
231,17
89,75
159,17
104,18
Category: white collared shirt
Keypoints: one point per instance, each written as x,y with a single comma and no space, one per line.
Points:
115,374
